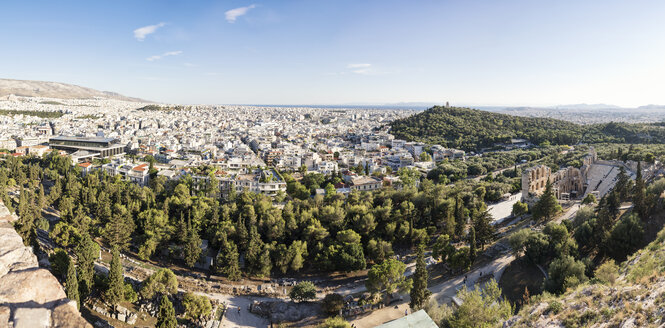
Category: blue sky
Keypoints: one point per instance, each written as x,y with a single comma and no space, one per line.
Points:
337,52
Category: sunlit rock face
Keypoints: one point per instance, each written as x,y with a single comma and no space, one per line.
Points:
29,295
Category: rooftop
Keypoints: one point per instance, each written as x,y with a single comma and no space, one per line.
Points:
419,319
85,139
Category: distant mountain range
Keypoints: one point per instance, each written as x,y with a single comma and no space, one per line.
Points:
59,90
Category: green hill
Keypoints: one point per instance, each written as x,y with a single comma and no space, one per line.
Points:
472,129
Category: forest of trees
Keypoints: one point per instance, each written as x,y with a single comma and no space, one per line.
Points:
168,219
37,113
472,129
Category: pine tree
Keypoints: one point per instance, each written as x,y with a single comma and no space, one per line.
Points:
192,246
72,284
460,217
226,261
86,252
41,198
419,291
472,244
623,184
115,293
547,206
639,194
166,317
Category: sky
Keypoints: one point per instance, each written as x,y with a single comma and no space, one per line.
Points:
491,53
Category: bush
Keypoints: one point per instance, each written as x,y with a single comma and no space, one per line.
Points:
196,306
607,272
564,273
554,307
303,291
332,303
130,294
162,282
336,322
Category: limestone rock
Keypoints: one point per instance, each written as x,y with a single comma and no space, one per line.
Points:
32,317
30,296
5,314
17,259
66,315
32,285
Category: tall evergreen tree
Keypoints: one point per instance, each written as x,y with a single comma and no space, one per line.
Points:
72,284
115,293
639,194
460,217
483,229
226,262
419,291
192,247
623,184
547,205
472,244
166,316
86,252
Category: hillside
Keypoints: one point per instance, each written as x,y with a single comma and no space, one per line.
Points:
636,299
59,90
472,129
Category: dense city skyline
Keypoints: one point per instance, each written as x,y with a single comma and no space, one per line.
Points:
269,52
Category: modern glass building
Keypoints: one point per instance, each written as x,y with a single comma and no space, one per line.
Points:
105,147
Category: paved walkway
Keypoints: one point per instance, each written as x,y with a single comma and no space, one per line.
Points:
502,210
233,319
443,293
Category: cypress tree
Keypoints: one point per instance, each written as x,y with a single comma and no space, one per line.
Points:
460,217
547,206
72,284
472,244
115,293
192,246
166,317
639,194
419,291
86,252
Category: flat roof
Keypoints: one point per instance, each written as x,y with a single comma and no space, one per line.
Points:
85,139
418,319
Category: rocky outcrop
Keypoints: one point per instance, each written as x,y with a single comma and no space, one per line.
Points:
29,295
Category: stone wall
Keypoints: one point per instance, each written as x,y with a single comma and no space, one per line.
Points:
29,295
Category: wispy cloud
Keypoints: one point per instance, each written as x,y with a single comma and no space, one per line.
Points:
166,54
141,32
190,65
363,69
233,14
